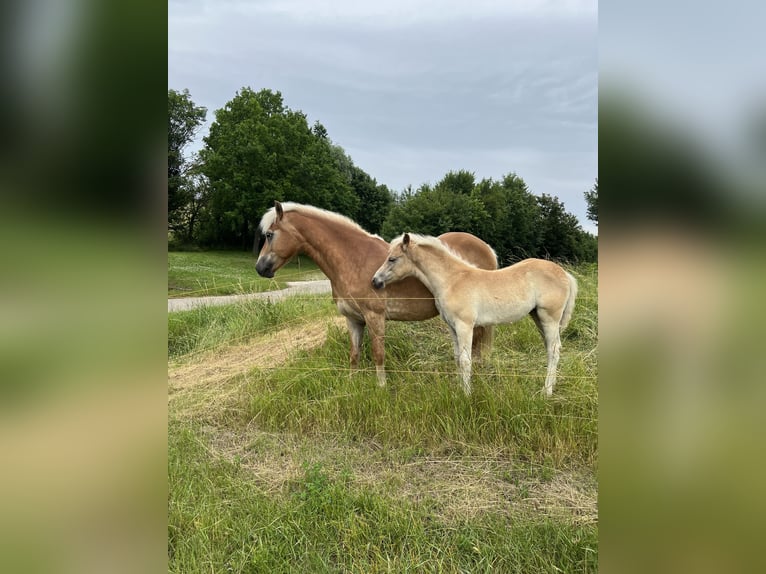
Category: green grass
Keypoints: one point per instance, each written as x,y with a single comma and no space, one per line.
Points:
198,274
300,466
212,327
222,521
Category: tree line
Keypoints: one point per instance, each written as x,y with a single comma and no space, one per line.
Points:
259,150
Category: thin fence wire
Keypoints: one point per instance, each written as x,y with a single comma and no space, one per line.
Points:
286,324
352,299
285,277
345,370
441,372
323,313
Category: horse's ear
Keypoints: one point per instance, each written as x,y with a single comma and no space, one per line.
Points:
405,241
280,211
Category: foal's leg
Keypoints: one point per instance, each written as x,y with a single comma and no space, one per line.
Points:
482,342
355,332
455,345
376,325
536,319
548,324
476,344
463,340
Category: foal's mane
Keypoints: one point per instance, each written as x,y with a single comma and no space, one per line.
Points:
434,243
310,211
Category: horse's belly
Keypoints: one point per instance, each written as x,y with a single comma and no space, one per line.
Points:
501,313
348,310
395,310
410,309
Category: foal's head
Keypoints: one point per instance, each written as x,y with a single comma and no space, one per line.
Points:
398,264
279,242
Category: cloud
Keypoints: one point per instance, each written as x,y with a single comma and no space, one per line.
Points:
412,91
408,12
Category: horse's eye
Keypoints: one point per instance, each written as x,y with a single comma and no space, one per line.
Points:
392,259
269,235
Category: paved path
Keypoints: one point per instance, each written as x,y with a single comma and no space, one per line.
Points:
293,288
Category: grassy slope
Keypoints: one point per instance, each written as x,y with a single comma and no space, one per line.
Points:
301,467
198,274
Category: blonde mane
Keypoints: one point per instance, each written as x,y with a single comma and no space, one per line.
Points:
310,211
435,243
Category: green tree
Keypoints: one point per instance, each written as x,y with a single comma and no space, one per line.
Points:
194,211
591,199
435,210
587,246
505,214
184,119
375,200
460,182
320,131
512,227
561,233
259,150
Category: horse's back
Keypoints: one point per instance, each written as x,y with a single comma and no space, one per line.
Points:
540,272
551,283
471,249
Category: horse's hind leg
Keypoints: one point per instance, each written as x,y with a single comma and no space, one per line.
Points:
463,340
536,319
549,327
355,332
482,342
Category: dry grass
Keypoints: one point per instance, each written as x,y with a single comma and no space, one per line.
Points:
454,488
209,380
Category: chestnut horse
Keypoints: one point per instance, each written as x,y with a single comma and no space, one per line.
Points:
349,256
467,296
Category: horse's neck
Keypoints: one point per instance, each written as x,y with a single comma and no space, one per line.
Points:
331,249
435,269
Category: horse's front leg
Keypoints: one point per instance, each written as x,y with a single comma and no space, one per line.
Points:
376,325
464,339
455,344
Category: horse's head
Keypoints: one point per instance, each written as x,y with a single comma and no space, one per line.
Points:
279,243
397,265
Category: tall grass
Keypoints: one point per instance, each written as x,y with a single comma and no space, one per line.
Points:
423,404
220,521
207,328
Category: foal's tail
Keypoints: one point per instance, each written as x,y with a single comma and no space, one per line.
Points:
569,308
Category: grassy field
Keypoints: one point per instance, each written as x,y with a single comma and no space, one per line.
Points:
281,460
198,274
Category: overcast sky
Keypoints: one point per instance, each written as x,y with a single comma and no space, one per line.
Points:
412,89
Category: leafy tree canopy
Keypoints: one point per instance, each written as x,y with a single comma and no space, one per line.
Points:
591,199
259,150
184,119
504,213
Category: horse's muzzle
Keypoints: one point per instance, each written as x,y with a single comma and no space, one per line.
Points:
264,269
377,283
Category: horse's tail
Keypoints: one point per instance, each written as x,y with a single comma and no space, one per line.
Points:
569,308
